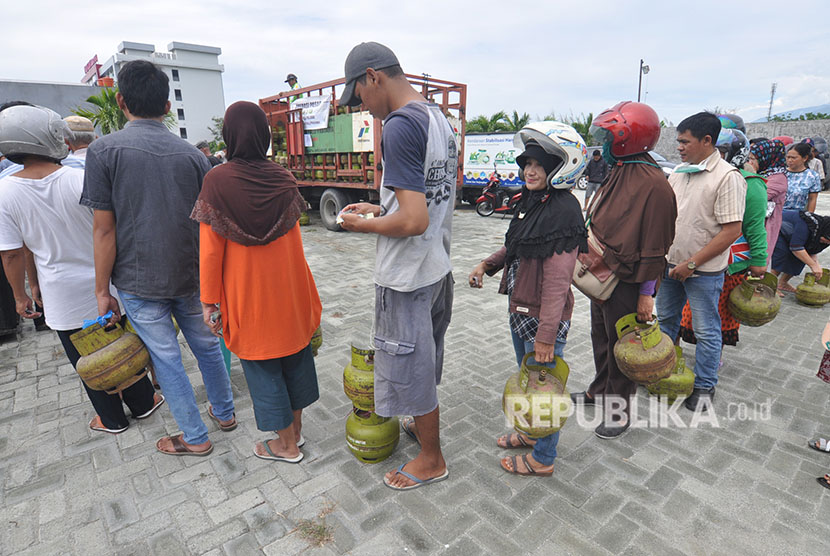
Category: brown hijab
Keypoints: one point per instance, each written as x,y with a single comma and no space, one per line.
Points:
634,219
249,200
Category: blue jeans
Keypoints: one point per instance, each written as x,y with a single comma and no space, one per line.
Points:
544,451
151,319
703,293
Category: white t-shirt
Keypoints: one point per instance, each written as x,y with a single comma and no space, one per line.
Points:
46,216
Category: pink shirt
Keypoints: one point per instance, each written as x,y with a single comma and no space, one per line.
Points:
776,193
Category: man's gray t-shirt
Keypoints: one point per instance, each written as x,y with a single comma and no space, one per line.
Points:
420,153
149,179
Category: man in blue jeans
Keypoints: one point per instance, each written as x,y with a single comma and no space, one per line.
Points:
142,183
710,196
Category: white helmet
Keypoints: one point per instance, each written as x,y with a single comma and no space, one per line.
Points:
561,141
26,130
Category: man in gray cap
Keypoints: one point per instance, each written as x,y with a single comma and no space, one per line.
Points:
291,79
413,274
81,134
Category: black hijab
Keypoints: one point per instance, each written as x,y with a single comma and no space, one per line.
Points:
547,221
819,227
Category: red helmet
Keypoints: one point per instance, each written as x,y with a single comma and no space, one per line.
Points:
786,139
631,127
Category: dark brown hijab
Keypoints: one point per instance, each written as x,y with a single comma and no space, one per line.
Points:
249,200
634,219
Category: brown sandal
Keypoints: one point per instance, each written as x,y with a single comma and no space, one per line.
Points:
513,440
530,470
180,448
227,426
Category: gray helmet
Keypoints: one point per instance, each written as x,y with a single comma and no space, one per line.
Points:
27,130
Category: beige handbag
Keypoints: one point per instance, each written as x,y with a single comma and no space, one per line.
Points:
591,275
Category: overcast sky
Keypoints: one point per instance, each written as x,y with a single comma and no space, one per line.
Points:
533,56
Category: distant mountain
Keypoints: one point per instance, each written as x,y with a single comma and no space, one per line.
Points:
821,108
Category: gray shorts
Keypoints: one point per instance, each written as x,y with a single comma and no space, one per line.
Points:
409,347
591,188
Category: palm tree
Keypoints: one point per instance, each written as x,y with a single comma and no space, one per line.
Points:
516,122
483,124
108,116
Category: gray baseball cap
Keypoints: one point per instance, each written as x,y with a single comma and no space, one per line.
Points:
365,55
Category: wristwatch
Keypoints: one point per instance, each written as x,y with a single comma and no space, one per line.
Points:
692,265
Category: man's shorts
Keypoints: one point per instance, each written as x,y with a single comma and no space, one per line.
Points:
409,347
591,188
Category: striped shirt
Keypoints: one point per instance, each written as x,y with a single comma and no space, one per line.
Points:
705,202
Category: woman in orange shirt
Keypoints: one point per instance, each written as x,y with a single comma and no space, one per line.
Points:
253,266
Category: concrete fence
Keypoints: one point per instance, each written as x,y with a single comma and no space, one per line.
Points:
667,145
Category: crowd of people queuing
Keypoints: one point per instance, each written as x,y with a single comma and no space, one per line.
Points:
143,225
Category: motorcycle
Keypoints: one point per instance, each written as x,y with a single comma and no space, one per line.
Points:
495,198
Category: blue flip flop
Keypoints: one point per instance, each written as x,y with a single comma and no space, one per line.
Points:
406,426
418,482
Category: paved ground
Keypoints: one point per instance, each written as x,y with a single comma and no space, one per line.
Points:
747,487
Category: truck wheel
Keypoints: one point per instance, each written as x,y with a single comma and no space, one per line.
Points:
331,203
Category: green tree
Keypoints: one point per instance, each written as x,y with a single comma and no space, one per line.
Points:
581,123
218,142
108,117
801,118
483,124
515,122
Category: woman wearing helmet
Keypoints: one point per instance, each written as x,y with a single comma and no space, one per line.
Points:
749,252
633,216
539,255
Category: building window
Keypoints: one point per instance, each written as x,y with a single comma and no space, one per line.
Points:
183,132
175,75
181,113
178,93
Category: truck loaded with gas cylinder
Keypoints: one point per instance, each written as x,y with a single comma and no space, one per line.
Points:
334,151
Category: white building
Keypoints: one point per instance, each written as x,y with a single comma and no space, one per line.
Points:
196,91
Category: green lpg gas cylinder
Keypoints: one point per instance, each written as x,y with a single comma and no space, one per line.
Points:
643,352
359,378
535,400
679,384
316,340
111,358
304,219
755,301
371,438
812,292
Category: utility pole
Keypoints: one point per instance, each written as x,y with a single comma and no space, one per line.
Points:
771,97
643,70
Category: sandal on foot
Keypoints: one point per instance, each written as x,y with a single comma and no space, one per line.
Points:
406,426
513,440
225,427
300,442
823,445
103,428
823,481
530,471
274,457
180,448
156,405
418,482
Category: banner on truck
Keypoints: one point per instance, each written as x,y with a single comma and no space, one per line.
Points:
488,151
363,132
315,111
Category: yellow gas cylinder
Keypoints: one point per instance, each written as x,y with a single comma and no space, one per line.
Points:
359,378
535,400
111,358
644,353
679,384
